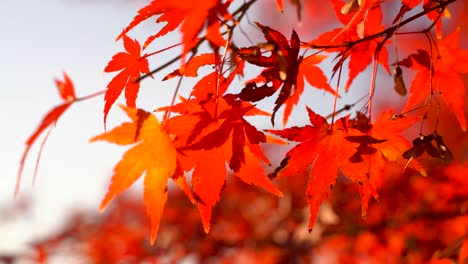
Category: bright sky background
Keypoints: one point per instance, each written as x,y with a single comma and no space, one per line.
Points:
39,40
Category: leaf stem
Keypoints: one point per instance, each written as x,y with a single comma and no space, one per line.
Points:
161,50
372,84
89,96
335,99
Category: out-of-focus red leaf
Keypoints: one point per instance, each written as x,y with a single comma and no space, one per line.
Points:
66,88
67,93
326,150
280,5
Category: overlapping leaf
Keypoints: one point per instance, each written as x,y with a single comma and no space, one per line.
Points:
326,150
209,135
446,79
153,155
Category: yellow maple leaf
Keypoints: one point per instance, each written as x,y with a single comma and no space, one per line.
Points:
153,154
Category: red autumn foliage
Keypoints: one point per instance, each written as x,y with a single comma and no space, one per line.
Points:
416,220
131,64
209,140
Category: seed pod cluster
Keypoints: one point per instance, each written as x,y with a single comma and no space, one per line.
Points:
423,144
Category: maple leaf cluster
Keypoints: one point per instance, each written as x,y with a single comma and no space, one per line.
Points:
203,137
415,222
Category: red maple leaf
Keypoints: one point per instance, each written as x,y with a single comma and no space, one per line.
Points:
380,143
210,133
326,150
446,78
130,64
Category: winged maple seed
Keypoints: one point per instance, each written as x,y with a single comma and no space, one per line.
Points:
399,82
423,144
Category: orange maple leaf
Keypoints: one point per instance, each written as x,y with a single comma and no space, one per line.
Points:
66,91
446,78
130,64
154,154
